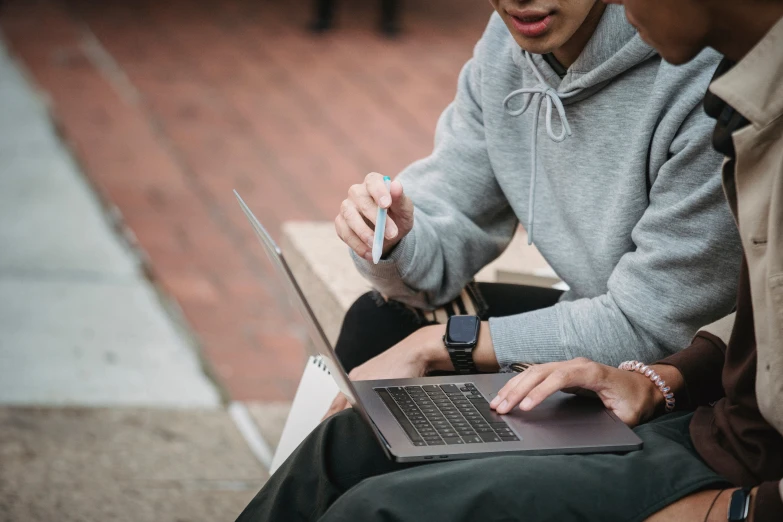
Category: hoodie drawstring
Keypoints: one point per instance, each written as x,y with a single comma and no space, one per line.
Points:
544,92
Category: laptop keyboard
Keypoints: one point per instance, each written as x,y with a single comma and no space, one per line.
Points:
436,415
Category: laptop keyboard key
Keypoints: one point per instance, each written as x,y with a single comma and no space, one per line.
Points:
406,425
445,414
489,437
489,415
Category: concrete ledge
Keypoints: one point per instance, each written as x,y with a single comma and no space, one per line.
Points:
323,267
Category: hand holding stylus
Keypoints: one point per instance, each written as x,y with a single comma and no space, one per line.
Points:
355,223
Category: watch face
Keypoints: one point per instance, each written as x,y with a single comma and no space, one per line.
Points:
462,330
738,507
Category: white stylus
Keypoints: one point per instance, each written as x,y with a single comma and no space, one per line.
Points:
380,227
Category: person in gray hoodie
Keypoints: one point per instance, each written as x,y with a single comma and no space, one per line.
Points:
567,122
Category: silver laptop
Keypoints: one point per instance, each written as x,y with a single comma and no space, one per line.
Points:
434,418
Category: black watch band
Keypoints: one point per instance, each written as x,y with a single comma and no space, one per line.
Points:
462,359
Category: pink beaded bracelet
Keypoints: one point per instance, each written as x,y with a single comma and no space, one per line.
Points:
636,366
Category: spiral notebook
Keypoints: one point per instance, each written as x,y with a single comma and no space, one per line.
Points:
315,394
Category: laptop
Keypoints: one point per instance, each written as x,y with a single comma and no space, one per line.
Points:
448,417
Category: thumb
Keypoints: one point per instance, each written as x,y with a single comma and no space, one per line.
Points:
402,206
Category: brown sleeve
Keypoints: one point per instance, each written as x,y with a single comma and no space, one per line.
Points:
701,365
767,504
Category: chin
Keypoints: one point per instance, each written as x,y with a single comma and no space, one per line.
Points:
674,54
541,45
678,56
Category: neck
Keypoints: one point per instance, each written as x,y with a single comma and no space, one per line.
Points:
570,51
736,27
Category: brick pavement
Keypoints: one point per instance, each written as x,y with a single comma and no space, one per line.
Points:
171,105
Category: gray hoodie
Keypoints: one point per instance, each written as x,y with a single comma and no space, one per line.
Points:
612,173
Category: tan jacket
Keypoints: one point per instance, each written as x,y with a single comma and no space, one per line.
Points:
754,188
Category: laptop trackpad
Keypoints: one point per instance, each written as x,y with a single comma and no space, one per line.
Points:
563,410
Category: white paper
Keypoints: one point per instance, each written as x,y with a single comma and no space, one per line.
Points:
315,394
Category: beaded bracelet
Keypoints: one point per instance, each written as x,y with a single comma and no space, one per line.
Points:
636,366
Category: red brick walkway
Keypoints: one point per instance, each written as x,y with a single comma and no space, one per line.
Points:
169,105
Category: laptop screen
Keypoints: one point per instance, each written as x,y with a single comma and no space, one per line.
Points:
298,299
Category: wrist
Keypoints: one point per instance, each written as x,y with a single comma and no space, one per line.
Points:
389,245
484,353
720,509
674,381
433,351
436,357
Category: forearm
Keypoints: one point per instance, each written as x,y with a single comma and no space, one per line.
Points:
597,329
713,506
765,504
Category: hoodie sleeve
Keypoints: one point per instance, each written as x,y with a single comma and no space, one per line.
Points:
657,294
458,227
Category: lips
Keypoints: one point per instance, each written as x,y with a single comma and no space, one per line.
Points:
530,23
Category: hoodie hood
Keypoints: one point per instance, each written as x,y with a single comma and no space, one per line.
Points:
614,48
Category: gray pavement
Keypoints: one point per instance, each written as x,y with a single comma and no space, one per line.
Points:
105,411
79,323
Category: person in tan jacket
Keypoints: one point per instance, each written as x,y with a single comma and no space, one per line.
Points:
746,99
711,416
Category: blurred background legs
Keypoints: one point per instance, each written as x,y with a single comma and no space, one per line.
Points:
324,16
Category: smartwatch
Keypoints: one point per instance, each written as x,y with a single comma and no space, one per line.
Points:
461,338
739,505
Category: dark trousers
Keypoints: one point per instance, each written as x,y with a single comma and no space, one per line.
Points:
339,473
372,325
